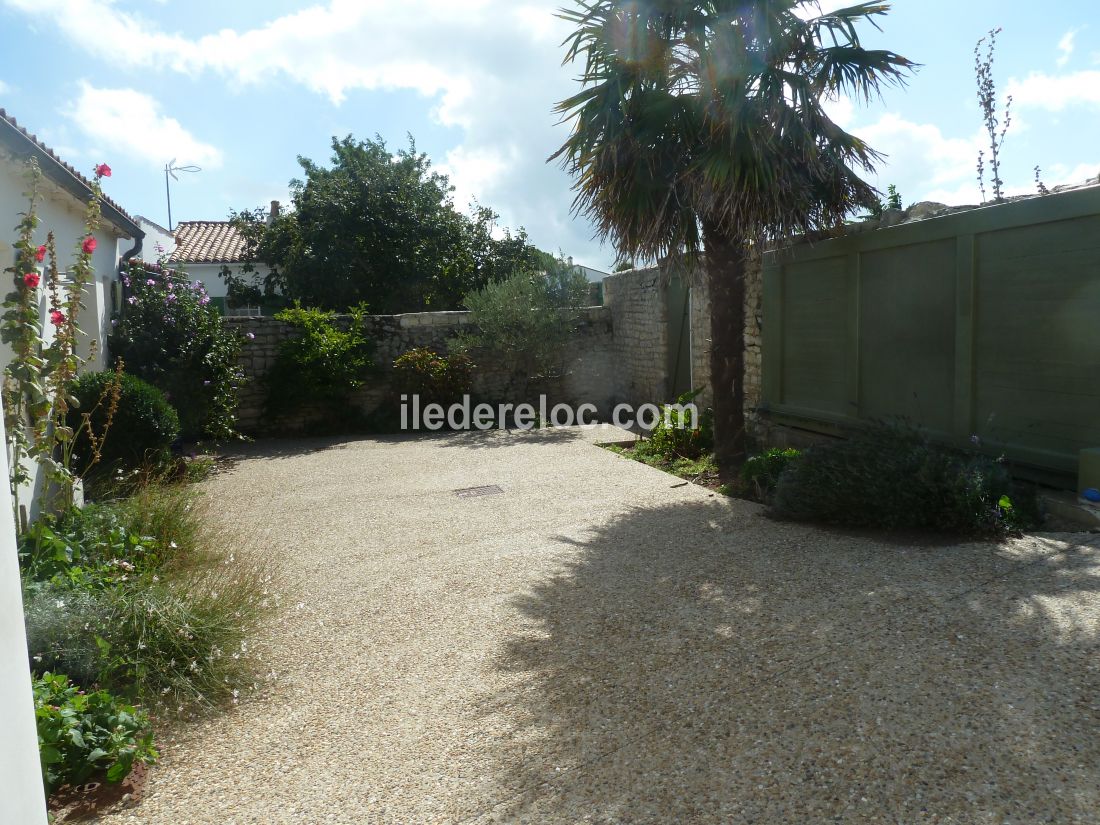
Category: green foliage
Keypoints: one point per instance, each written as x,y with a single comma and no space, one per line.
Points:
699,130
376,228
327,362
170,335
84,735
40,367
90,547
144,425
761,473
675,437
527,319
892,476
893,197
701,469
877,206
436,378
140,596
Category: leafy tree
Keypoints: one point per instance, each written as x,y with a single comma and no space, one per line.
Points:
701,127
376,228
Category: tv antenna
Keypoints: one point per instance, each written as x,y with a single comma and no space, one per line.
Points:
170,168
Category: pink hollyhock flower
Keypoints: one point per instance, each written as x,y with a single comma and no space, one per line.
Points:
150,282
40,254
31,280
89,245
103,171
251,336
57,317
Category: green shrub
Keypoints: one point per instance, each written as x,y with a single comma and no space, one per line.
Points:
141,597
143,426
673,437
84,735
170,335
436,378
325,364
527,320
761,473
891,476
85,547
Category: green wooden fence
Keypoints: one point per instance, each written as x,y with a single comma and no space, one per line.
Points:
981,323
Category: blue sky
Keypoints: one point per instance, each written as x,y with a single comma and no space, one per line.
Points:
242,88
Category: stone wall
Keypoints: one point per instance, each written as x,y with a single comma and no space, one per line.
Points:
638,302
639,321
589,375
619,353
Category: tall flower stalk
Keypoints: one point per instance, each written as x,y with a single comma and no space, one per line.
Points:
987,100
36,382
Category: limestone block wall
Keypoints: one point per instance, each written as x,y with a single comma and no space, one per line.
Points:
638,303
636,300
589,372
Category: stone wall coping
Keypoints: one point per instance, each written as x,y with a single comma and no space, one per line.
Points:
414,319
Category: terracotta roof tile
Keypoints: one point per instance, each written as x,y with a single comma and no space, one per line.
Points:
208,242
68,168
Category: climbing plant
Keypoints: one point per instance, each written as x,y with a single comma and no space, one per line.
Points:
44,361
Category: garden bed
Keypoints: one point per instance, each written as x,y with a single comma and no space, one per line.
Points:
702,471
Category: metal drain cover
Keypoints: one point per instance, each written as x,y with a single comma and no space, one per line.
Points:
474,492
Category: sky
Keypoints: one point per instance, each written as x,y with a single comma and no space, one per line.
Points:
241,89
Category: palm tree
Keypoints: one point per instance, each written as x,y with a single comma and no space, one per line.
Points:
700,134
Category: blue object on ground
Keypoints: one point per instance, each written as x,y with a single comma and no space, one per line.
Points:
1091,494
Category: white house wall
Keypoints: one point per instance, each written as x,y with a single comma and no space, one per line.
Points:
209,275
61,212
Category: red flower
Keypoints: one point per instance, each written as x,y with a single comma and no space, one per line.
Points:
57,317
31,280
89,245
40,254
103,171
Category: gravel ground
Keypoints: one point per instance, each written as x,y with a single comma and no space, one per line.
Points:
598,643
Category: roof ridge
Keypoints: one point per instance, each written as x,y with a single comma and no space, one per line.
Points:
11,121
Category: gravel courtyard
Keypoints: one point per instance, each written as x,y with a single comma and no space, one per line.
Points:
598,642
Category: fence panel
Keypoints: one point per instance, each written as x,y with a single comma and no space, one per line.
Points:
984,322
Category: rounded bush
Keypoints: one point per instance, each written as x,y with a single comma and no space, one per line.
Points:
435,378
892,476
142,430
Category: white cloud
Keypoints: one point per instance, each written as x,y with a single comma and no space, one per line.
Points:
922,150
1066,46
1056,92
124,120
1059,173
4,88
466,58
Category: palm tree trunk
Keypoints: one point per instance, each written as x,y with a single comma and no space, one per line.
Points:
725,267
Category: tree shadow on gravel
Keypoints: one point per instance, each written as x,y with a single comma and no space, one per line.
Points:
496,439
695,663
